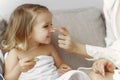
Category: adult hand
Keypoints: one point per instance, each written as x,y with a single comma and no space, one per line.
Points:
64,39
102,66
26,64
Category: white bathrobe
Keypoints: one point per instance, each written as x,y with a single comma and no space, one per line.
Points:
112,17
46,70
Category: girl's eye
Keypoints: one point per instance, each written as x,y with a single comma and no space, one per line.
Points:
46,26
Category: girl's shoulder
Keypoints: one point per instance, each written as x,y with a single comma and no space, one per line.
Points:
12,52
11,56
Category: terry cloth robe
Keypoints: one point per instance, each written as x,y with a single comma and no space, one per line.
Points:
111,52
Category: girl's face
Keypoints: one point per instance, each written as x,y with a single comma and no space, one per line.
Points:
42,29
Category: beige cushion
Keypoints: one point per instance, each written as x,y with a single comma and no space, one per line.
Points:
85,26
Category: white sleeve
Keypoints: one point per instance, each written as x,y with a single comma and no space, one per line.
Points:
112,51
108,53
97,52
107,9
111,10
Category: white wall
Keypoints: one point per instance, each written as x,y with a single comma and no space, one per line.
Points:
7,6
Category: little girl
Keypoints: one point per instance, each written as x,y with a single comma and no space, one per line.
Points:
30,55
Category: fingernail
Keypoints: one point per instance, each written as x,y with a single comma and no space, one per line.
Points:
36,59
53,30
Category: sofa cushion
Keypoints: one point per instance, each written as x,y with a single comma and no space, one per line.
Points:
85,26
3,25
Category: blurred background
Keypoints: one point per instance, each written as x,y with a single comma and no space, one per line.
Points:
7,6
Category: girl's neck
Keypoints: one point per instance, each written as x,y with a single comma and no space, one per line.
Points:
32,48
32,44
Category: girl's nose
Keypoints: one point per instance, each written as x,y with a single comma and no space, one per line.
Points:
52,29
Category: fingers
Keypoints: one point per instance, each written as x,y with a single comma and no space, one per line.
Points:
62,37
64,68
102,66
64,40
65,44
62,30
27,59
30,63
26,63
99,68
25,69
102,70
110,67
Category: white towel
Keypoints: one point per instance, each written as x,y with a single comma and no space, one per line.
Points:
74,75
45,70
112,51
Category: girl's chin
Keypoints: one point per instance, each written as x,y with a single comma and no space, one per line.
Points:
47,42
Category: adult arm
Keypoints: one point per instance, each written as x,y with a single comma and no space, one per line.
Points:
88,51
66,43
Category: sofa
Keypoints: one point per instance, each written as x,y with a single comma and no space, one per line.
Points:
3,25
85,25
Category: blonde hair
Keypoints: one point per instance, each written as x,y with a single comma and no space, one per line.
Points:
20,26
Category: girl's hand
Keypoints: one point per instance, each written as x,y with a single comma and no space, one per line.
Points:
63,69
103,65
64,39
26,64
